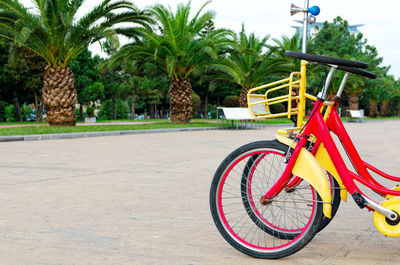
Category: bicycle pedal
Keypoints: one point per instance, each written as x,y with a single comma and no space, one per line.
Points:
383,224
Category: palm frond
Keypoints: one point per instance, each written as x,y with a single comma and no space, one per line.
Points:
53,31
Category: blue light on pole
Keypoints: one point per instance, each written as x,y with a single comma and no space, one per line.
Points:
314,10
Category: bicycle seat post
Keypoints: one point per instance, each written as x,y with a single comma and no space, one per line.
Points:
342,85
322,93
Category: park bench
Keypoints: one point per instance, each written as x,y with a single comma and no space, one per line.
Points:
356,115
241,115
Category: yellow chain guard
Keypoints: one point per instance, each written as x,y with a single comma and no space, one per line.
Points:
381,224
397,188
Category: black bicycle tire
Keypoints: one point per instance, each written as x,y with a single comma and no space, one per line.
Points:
298,245
336,199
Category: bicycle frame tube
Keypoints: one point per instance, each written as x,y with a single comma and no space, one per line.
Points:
317,127
335,124
302,91
320,128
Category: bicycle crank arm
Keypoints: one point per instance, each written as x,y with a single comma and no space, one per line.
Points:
392,216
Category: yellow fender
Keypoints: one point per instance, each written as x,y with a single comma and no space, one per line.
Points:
325,161
308,168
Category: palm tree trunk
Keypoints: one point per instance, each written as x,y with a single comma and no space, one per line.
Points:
133,106
398,108
115,108
152,111
206,106
180,92
384,108
39,106
243,97
353,102
373,109
59,96
81,112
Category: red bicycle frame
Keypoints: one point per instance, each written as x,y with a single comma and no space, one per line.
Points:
317,127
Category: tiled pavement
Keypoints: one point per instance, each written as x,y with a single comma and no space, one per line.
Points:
143,199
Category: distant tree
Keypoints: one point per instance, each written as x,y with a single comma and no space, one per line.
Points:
373,95
179,50
86,74
287,65
53,31
21,76
334,39
355,86
248,64
206,86
387,93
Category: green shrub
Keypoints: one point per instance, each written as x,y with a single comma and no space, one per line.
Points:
212,111
196,105
231,101
277,108
107,110
25,111
3,105
77,114
10,113
90,111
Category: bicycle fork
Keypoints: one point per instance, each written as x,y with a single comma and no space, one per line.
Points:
286,175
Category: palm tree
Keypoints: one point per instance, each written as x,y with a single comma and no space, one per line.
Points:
179,49
396,97
373,95
287,44
354,88
387,94
52,30
248,65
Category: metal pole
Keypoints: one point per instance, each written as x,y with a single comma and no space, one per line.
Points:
305,24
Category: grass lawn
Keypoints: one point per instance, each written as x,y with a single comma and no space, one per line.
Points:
30,128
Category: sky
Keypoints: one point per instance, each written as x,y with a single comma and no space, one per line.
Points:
381,19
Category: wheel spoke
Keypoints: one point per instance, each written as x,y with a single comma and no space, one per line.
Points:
284,224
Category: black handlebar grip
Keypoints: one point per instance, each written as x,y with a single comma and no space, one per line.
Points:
326,59
357,71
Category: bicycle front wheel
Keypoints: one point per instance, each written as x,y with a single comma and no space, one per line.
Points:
278,229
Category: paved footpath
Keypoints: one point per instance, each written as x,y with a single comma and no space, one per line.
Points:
143,199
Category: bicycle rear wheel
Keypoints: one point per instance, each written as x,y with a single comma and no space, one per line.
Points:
272,231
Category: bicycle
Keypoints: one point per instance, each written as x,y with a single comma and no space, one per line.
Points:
269,198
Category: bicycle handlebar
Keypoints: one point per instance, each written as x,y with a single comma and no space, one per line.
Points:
326,59
357,71
345,65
